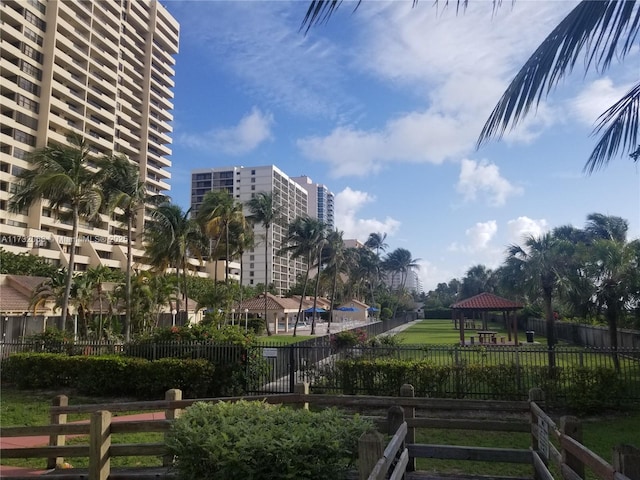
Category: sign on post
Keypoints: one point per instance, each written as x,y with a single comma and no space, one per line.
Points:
270,352
543,437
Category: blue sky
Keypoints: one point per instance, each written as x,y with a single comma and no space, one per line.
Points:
384,106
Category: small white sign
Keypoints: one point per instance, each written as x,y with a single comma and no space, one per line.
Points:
270,352
543,437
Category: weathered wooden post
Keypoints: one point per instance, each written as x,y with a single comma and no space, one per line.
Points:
572,427
172,395
370,450
626,460
99,444
536,395
301,388
57,419
408,391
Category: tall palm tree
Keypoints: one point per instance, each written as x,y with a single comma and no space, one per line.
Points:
599,32
376,241
61,175
171,239
126,192
266,210
606,227
540,264
615,270
242,233
337,257
477,280
96,277
303,236
216,215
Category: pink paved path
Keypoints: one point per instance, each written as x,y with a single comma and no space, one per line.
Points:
42,440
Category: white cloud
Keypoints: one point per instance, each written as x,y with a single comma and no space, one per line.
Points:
478,237
418,137
347,204
458,65
523,227
483,177
596,98
251,131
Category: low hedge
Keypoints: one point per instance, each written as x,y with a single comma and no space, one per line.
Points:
581,389
256,440
110,375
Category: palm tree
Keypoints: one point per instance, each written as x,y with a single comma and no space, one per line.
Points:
96,277
597,31
50,289
606,227
400,262
477,280
541,267
127,192
266,210
376,241
61,176
615,269
304,234
337,257
215,216
172,238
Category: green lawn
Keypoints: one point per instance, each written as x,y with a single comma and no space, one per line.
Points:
441,332
601,434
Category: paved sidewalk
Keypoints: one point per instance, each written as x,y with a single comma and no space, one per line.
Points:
43,440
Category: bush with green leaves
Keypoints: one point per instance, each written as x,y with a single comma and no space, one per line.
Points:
110,375
258,441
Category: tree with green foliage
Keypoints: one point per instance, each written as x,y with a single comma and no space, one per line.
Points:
303,237
62,176
25,264
539,266
172,238
126,194
266,210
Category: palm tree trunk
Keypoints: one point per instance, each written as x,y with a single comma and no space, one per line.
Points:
333,299
186,292
226,258
315,294
304,292
72,259
612,321
551,335
127,318
266,278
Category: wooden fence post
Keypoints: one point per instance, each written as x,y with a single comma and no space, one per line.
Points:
395,418
171,414
626,460
99,444
535,395
370,450
302,388
572,427
57,440
408,391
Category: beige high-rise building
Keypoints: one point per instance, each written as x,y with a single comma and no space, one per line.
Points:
100,69
243,184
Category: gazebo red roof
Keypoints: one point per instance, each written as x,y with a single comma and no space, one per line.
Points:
486,301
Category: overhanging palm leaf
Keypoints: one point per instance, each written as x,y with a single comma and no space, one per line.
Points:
598,30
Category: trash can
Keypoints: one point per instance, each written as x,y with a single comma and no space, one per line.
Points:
530,336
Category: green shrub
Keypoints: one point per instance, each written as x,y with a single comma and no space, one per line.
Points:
255,440
109,375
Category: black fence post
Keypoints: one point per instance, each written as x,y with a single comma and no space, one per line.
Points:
292,369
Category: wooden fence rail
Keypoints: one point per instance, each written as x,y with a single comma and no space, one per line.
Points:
551,445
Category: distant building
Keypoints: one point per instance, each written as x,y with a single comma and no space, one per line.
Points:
353,243
321,200
102,70
412,282
243,183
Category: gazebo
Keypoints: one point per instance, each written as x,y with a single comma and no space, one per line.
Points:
483,303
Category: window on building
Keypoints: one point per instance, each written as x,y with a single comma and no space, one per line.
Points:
33,36
253,172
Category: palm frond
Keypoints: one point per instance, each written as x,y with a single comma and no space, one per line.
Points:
619,126
600,30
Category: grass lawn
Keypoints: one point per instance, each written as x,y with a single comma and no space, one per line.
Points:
283,339
601,434
441,332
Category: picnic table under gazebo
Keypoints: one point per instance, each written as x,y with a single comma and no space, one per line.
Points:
484,303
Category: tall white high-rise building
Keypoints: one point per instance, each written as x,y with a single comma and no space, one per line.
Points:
100,69
243,183
321,200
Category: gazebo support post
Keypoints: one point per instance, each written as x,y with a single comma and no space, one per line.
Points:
460,315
